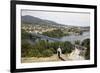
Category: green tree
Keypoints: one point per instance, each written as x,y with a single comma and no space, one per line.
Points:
77,42
86,43
24,34
25,47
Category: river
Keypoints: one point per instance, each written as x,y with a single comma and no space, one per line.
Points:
73,38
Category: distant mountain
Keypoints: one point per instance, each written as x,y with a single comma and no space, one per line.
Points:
30,19
27,19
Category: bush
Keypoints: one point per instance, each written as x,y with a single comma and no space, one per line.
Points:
59,33
86,43
67,47
47,53
24,34
25,47
44,49
77,42
33,52
37,53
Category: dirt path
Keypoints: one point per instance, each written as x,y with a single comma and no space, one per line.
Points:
75,55
43,59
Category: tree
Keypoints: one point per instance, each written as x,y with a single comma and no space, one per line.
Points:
24,34
77,42
67,47
86,43
25,47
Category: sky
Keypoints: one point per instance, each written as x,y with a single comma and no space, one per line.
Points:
65,18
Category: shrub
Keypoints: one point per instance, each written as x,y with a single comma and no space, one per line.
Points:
86,43
33,52
25,47
77,42
59,33
24,34
47,53
44,49
67,47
